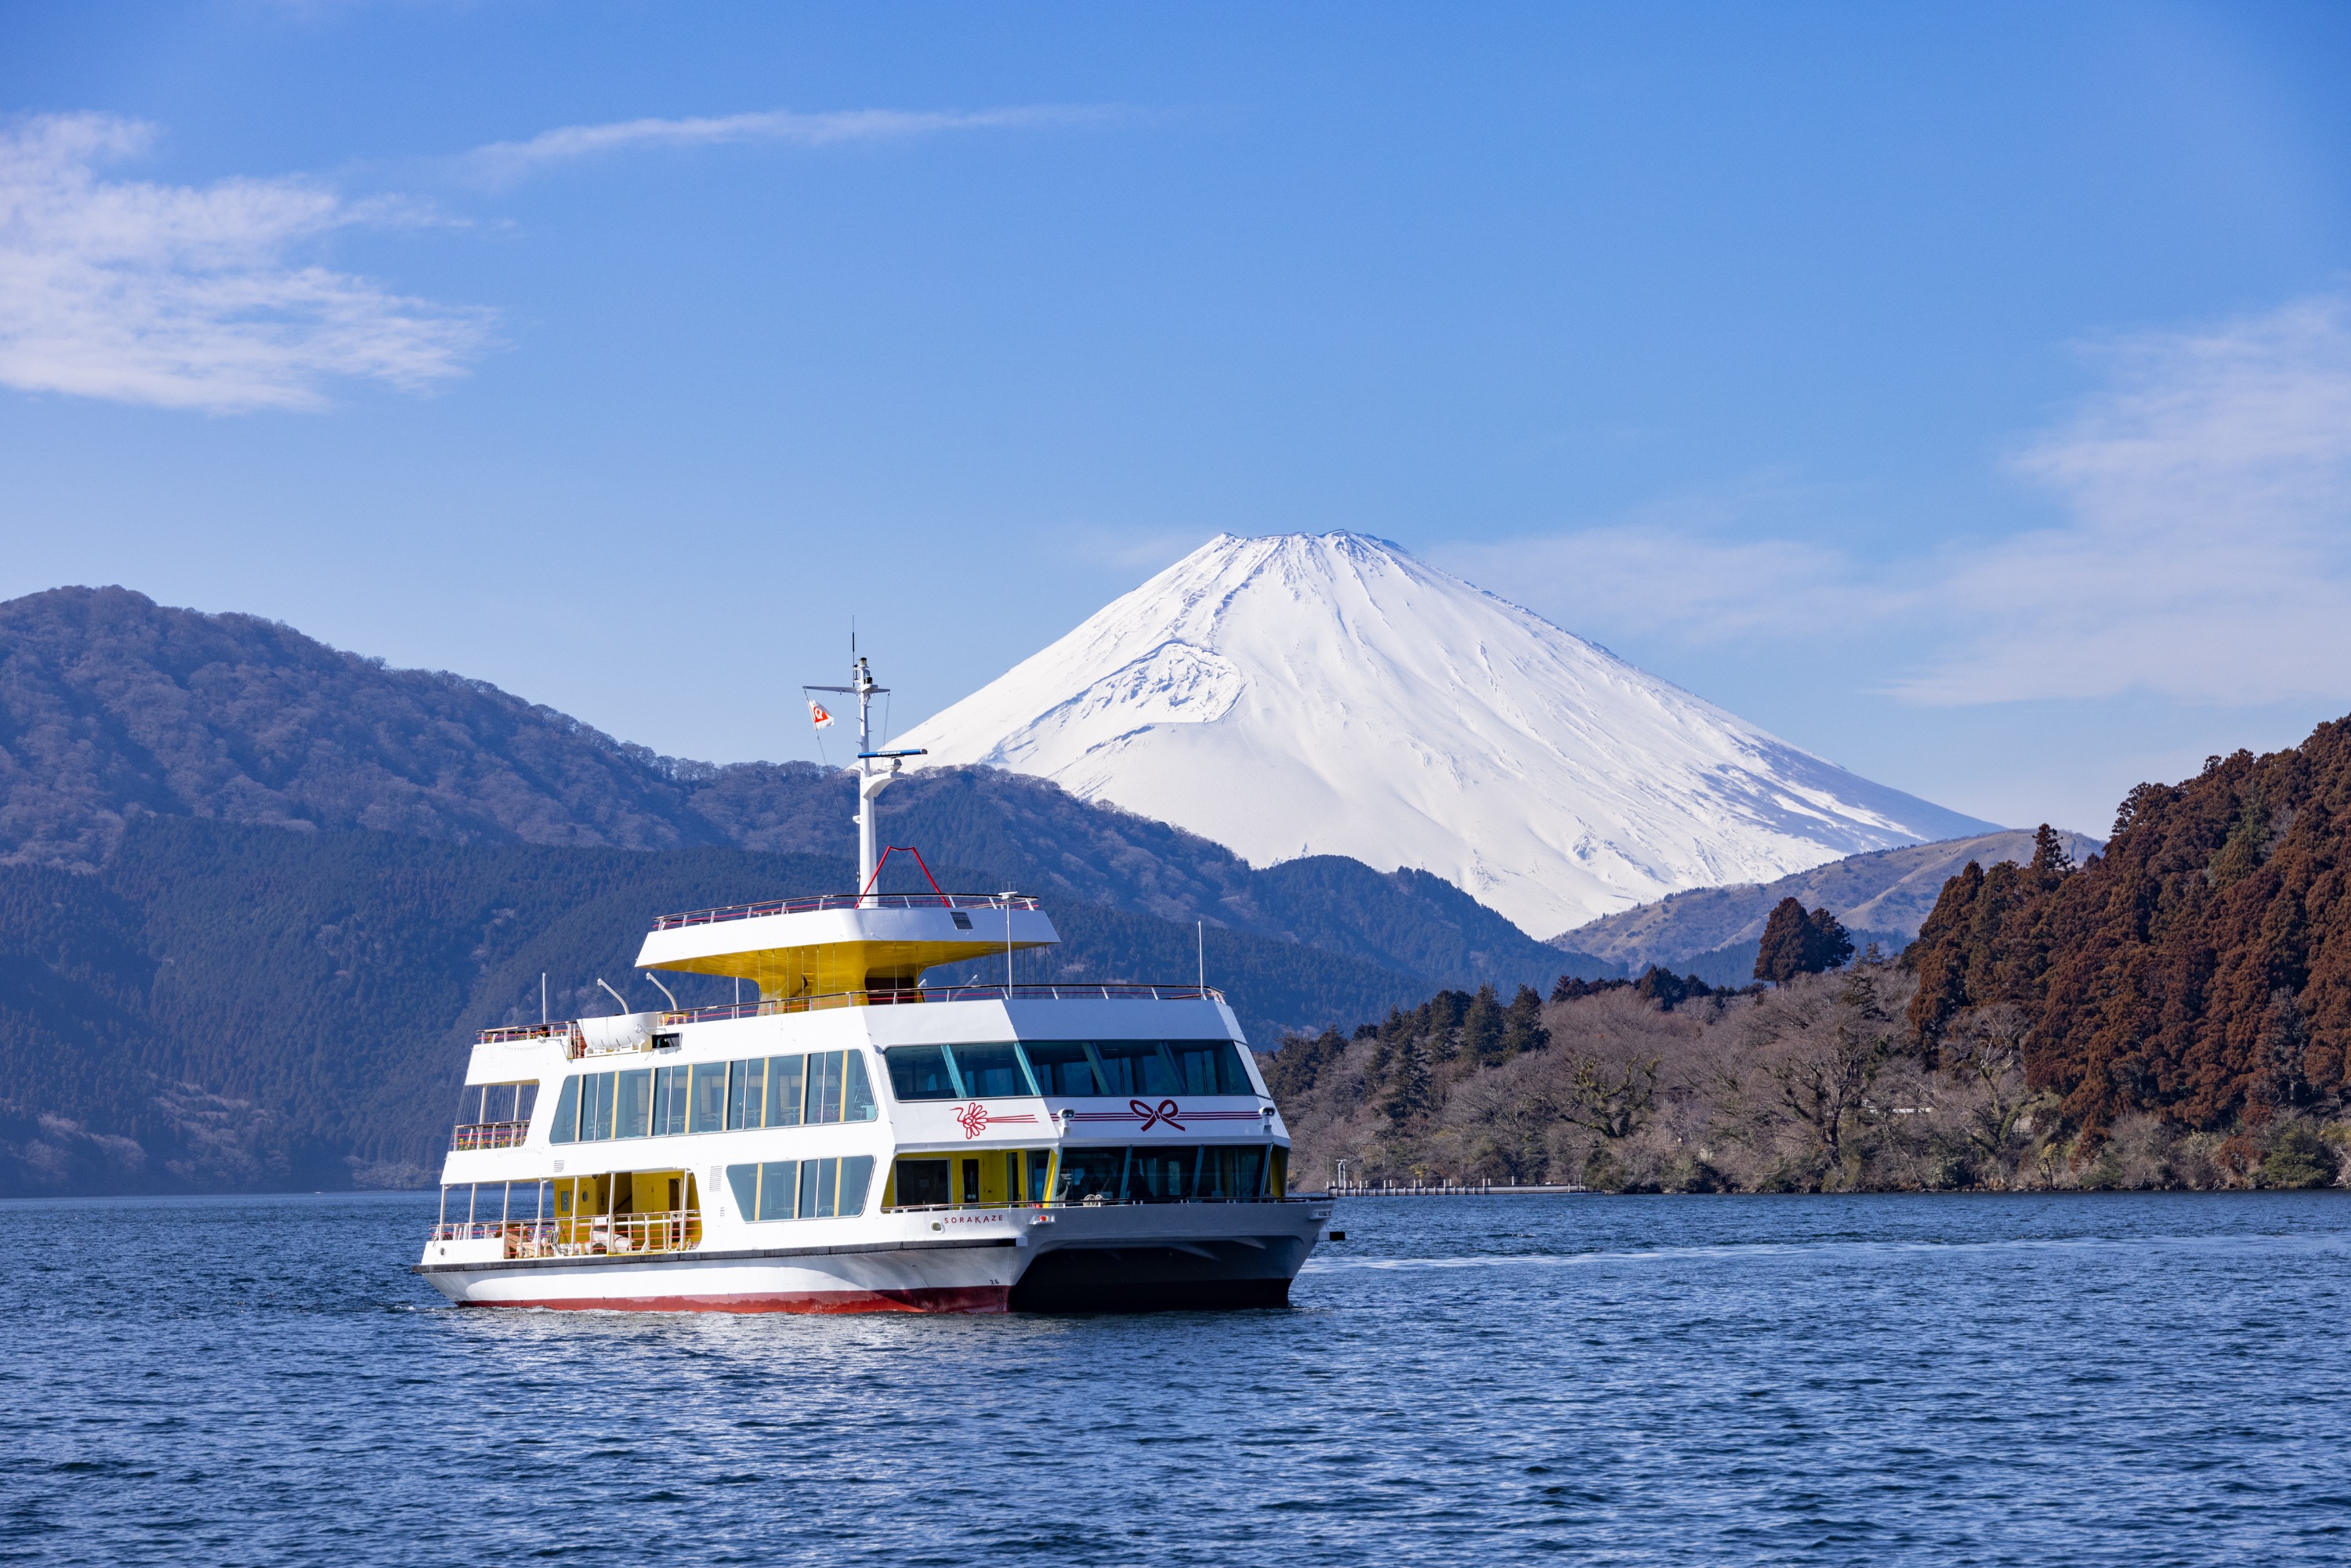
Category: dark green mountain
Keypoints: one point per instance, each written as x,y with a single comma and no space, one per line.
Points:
227,1007
113,708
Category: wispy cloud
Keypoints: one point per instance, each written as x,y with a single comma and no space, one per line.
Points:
2205,553
506,160
193,298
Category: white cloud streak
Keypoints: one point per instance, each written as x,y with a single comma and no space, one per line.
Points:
503,162
2205,553
189,297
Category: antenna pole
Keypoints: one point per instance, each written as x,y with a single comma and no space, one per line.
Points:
542,996
861,678
1201,931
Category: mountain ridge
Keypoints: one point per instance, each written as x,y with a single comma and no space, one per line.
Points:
1298,695
112,707
1884,896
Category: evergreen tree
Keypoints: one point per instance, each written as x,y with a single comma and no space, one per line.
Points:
2048,854
1795,943
1826,944
1780,957
1481,1026
1408,1086
1522,1025
1662,986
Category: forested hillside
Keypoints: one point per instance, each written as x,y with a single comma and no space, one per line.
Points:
2199,971
2175,1012
227,1007
113,708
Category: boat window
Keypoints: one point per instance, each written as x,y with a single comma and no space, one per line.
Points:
478,1103
633,1103
1135,1067
921,1072
1040,1167
757,1091
670,1092
1163,1173
787,1076
802,1189
1209,1067
857,1095
596,1107
565,1129
1232,1170
824,1086
1095,1172
1062,1067
991,1072
921,1183
747,1092
709,1110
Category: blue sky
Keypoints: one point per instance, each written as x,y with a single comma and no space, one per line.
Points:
1964,393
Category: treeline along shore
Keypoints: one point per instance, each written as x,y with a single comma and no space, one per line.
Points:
2173,1013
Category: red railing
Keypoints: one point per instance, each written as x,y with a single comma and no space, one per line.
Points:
1058,993
844,900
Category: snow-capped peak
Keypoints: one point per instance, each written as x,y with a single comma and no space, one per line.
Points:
1331,694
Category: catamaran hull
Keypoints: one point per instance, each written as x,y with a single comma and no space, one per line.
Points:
1181,1257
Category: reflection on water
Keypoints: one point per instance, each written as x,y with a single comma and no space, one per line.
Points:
2084,1378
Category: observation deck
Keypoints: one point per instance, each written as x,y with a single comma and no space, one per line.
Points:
868,946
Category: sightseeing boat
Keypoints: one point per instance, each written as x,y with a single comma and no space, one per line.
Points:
857,1140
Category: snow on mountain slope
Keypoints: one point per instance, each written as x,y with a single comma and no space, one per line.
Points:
1330,695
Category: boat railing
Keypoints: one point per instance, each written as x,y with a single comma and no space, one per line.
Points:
521,1034
996,901
489,1135
912,996
581,1236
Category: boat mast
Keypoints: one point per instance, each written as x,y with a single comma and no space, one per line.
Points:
874,768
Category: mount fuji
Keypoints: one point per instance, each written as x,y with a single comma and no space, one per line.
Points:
1305,695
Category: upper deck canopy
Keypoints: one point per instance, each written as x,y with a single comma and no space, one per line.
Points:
842,942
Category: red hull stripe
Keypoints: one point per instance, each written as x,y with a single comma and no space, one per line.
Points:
937,1299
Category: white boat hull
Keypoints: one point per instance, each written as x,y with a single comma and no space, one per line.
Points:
1073,1258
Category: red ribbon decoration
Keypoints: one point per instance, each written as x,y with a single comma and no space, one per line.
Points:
974,1118
1150,1118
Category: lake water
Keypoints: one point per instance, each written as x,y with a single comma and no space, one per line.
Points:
1707,1380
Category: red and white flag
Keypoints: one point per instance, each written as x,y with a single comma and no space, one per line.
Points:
818,717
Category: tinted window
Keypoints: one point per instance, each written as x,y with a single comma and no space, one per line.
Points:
595,1107
856,1175
633,1103
857,1098
921,1183
1133,1067
1093,1172
670,1095
1162,1174
1232,1170
1209,1067
786,1075
709,1113
824,1086
920,1072
567,1113
817,1195
991,1072
747,1092
1062,1067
